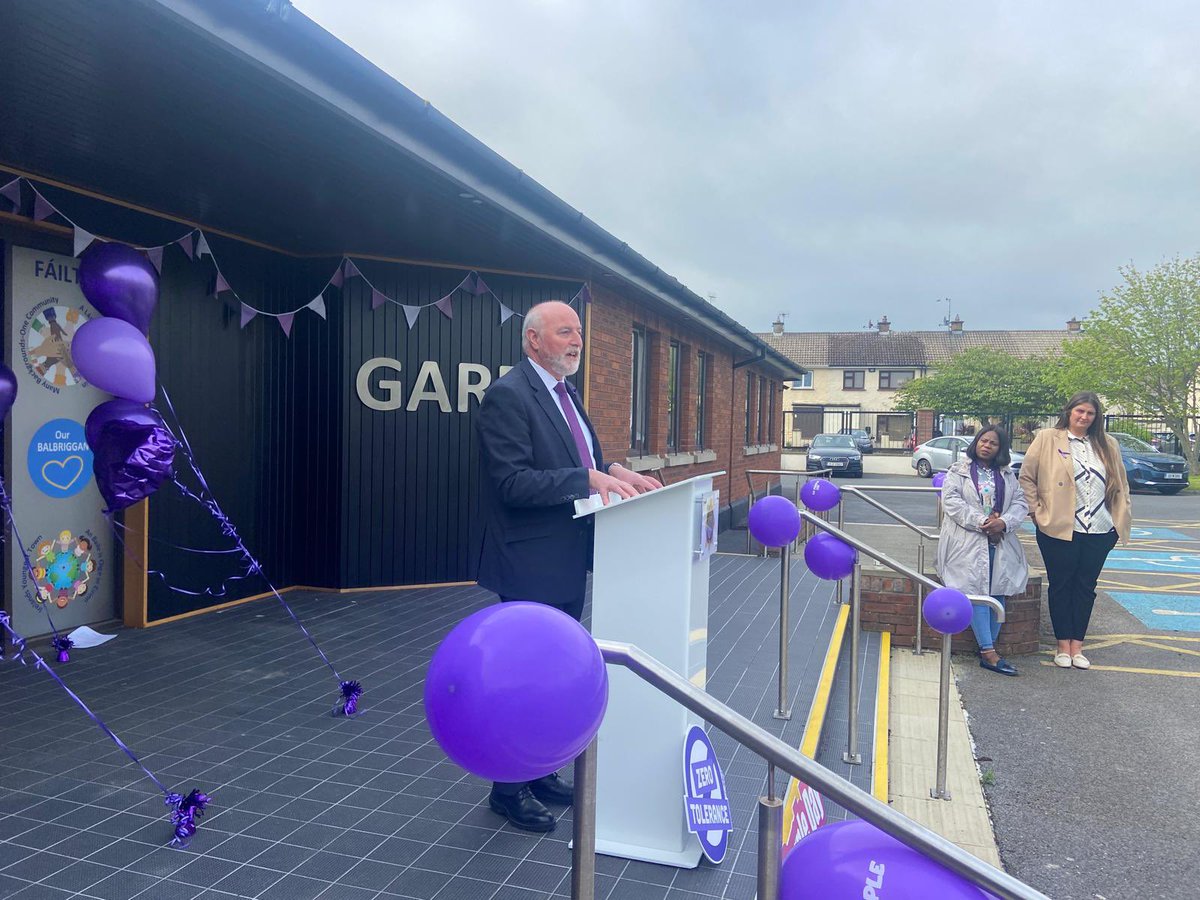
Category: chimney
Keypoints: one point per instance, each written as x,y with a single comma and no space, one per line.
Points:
956,325
884,325
1074,326
777,326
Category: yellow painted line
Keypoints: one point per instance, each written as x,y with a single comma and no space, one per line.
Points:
820,704
1156,646
700,678
697,634
879,777
1138,637
1096,668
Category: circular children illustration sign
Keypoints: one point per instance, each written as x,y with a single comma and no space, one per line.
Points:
705,801
65,568
45,343
59,459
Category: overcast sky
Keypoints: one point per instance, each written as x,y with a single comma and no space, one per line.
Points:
835,161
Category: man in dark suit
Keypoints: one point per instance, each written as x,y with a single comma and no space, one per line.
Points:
539,454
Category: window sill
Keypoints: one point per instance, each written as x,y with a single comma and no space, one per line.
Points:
643,463
678,459
705,456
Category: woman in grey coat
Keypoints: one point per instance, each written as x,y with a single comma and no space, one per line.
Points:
979,553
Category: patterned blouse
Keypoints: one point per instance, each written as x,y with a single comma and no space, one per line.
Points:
1091,515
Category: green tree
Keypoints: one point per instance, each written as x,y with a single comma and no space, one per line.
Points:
983,383
1141,349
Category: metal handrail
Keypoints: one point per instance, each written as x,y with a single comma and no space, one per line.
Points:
861,493
753,494
881,557
777,754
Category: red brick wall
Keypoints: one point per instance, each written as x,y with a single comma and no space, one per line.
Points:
612,319
889,604
924,425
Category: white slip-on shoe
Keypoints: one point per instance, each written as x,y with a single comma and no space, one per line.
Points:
1062,660
1080,661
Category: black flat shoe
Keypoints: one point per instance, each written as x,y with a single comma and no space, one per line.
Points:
552,789
1001,665
523,809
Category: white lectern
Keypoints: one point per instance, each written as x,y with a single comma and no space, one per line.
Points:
650,589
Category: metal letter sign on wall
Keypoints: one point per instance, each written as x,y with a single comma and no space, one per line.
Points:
55,501
705,802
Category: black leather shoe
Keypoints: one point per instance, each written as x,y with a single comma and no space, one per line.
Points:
1001,665
523,809
552,789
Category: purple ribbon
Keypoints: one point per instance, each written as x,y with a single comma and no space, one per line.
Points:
20,644
209,502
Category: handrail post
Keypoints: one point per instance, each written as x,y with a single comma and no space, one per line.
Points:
583,826
852,755
939,792
770,840
841,527
784,710
917,650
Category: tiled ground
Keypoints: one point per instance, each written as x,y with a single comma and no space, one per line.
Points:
306,805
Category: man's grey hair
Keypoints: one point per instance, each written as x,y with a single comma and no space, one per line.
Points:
533,322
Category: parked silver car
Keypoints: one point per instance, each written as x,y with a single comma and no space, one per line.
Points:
938,455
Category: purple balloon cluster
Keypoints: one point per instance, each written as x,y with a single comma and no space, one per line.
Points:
134,451
8,390
516,691
855,859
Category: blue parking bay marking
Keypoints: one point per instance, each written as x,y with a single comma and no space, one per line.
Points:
1121,560
1165,612
1139,534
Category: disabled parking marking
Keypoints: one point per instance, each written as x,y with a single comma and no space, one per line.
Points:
1165,612
1152,561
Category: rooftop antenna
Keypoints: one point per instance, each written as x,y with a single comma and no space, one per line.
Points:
945,323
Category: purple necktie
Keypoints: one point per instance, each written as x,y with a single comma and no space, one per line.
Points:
568,408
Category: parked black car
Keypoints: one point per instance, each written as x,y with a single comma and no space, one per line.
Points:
837,452
1148,468
862,439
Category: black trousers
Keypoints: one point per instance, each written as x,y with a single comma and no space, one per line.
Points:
1072,569
575,611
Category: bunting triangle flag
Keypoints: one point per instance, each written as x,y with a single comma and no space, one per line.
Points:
12,193
505,313
471,284
82,239
339,276
155,255
411,313
446,305
285,322
202,246
585,295
481,287
349,269
186,243
317,305
378,298
248,313
221,285
42,208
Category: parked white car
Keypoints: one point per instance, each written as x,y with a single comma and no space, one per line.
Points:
940,453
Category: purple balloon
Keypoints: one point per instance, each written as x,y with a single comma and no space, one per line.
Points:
774,521
120,282
829,557
119,411
854,859
115,357
820,494
947,610
516,691
939,479
131,460
8,390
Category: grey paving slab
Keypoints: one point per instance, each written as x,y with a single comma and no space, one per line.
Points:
309,805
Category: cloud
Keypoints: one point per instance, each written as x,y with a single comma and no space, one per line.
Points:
834,161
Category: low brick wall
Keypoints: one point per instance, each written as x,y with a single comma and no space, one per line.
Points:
889,604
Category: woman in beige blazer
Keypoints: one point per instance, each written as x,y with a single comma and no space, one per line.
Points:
1078,496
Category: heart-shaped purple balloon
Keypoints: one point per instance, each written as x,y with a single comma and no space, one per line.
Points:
114,356
118,410
120,282
131,461
8,390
